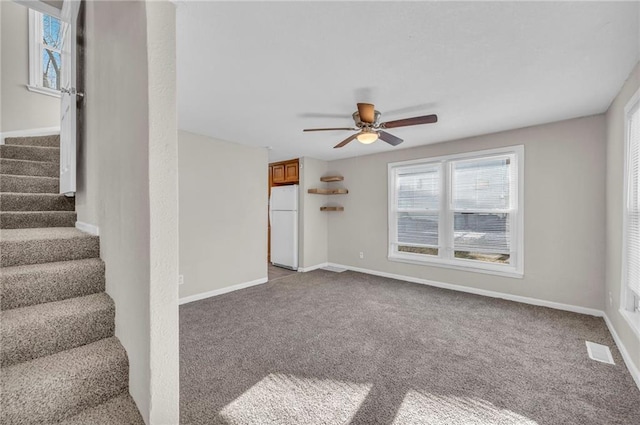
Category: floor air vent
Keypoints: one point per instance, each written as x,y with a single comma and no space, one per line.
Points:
334,269
599,352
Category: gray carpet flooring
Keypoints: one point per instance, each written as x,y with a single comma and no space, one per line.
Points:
349,348
275,272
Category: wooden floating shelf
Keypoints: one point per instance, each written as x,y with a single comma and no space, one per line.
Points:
331,208
328,191
331,179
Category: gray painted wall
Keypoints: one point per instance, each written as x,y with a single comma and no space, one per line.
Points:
615,184
223,213
564,213
127,167
164,385
313,222
21,109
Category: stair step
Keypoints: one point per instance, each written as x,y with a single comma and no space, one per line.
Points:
41,330
51,141
47,245
12,201
22,167
28,184
31,153
22,286
31,219
62,385
119,410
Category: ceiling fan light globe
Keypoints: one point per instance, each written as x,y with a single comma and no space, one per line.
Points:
367,137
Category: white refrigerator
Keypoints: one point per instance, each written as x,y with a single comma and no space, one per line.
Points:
283,213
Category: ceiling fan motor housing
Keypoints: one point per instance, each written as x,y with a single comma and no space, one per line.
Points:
360,124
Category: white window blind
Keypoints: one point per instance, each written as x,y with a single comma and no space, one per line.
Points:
483,200
632,210
418,209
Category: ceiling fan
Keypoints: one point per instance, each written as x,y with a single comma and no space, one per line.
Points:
370,129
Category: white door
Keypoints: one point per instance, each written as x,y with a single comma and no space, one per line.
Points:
69,15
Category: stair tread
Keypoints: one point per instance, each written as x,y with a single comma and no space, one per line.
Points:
42,313
16,201
46,233
23,161
52,388
36,219
50,148
46,245
13,183
31,194
26,167
19,176
86,357
22,286
57,266
35,153
38,150
39,212
44,140
30,161
43,329
118,410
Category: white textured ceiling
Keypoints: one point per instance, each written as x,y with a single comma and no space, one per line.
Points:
257,73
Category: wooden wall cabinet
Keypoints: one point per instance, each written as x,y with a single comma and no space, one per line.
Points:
285,172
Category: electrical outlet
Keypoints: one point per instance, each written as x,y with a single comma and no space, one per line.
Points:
361,255
180,279
610,299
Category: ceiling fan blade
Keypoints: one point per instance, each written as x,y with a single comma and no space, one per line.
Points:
389,138
345,141
426,119
330,129
367,112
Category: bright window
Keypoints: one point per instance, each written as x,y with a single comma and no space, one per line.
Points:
631,221
459,211
45,54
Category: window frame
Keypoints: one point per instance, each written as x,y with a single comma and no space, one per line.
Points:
35,55
629,301
445,257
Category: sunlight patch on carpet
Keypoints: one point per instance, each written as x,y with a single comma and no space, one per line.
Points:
424,408
280,398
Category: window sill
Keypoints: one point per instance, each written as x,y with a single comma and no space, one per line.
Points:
45,91
633,320
457,266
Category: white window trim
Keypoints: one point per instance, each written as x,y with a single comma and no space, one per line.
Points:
629,308
35,56
515,270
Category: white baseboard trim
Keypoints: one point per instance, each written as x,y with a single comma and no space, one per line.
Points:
476,291
221,291
633,370
31,132
88,228
311,268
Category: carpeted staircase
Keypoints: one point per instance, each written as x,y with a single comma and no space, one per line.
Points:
60,361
